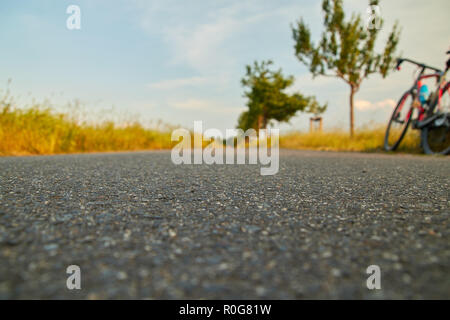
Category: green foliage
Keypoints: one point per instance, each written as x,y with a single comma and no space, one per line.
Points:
346,48
267,99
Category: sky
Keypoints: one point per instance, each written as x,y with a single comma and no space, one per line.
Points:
182,61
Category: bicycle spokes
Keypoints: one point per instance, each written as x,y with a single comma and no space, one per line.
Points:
397,118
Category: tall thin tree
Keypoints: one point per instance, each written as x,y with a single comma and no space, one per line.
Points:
346,49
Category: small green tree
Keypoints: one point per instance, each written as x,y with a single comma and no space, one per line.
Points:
346,49
267,99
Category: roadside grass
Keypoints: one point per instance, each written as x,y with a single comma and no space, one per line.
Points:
39,130
365,140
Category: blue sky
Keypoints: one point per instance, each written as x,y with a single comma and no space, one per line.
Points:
181,61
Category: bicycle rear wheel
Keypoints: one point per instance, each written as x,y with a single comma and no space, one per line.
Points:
435,137
399,122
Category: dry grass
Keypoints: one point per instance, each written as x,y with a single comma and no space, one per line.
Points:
365,139
39,130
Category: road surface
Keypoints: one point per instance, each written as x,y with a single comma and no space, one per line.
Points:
139,226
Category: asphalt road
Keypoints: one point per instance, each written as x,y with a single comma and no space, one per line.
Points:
140,227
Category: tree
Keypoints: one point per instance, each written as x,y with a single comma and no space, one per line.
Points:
346,49
267,99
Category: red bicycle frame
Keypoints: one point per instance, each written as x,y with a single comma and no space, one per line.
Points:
419,85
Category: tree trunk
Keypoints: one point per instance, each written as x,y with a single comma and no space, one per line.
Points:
264,122
352,122
260,122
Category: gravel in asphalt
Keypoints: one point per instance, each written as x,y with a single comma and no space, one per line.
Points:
141,227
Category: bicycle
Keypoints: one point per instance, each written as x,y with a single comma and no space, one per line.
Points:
433,117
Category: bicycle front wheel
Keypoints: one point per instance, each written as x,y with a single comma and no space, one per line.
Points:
399,122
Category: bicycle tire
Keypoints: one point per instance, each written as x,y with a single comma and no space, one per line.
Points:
424,135
426,146
400,104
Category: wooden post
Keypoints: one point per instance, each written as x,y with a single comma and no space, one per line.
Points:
315,124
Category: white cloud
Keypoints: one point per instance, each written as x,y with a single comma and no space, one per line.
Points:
364,105
203,35
196,34
199,46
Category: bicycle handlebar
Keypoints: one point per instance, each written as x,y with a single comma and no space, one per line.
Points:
422,65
